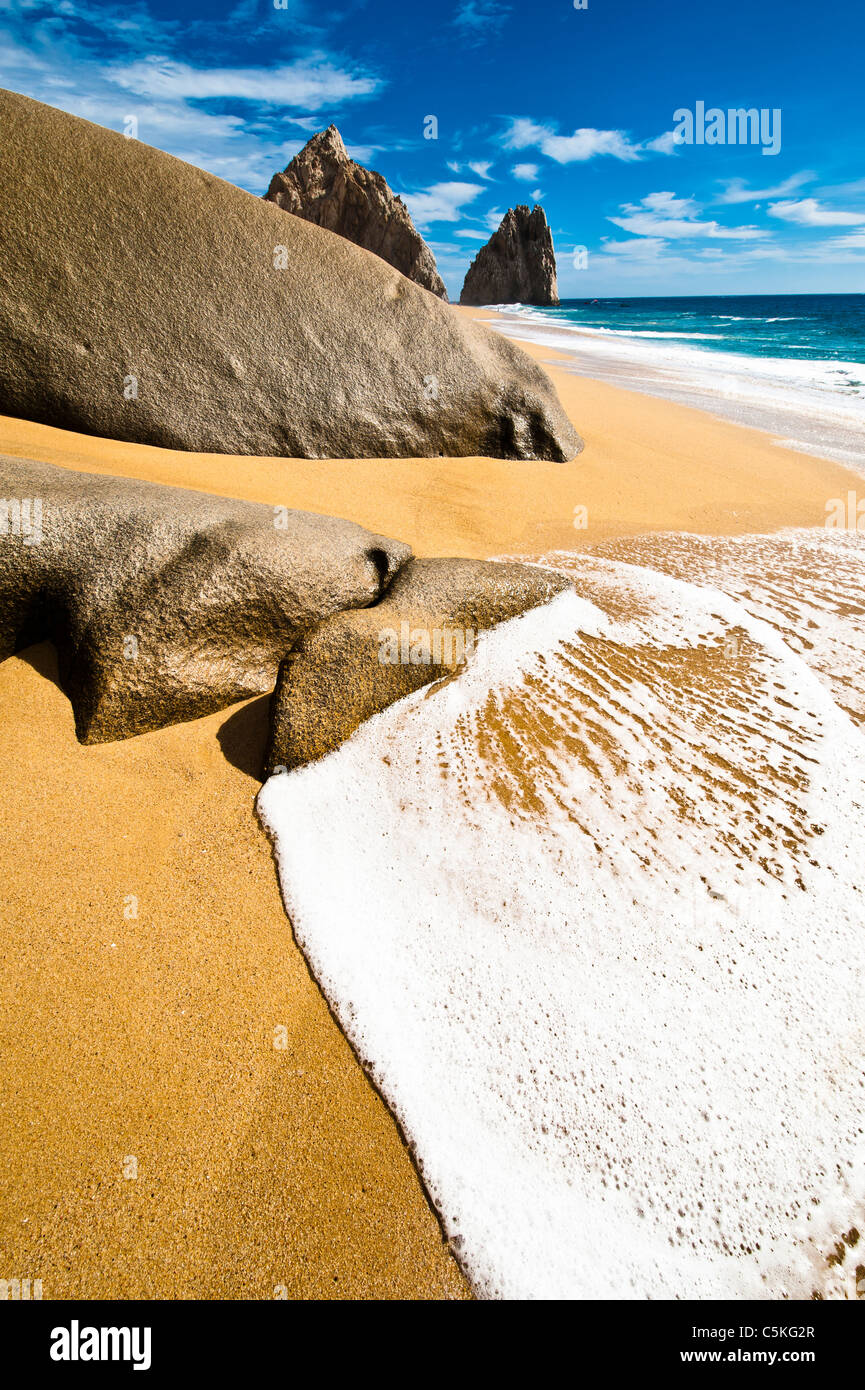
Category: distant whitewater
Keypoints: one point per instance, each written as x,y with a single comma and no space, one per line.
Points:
790,364
592,918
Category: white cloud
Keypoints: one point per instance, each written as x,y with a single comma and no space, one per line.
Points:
844,190
310,83
493,218
663,144
668,204
481,167
443,202
537,194
737,191
853,241
470,234
362,153
664,215
585,143
807,212
526,172
640,249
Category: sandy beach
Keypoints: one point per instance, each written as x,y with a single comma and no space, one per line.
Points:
156,1141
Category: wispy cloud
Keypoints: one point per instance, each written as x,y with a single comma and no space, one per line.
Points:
476,17
663,144
666,216
443,202
585,143
527,173
309,83
844,190
854,241
479,167
737,191
636,249
808,212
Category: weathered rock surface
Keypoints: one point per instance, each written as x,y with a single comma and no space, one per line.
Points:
518,263
355,664
323,185
166,604
143,299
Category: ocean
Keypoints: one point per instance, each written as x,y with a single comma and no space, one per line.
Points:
793,365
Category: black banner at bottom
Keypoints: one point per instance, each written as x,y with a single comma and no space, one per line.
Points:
62,1339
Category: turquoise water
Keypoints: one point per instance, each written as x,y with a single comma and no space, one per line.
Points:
793,365
814,327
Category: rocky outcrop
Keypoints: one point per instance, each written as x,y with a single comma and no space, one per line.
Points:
355,664
323,185
517,265
143,299
166,604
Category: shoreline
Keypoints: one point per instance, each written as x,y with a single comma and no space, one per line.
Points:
152,1037
774,395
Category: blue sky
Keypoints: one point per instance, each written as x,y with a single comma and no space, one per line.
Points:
542,101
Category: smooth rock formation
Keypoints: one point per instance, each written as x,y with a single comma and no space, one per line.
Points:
143,299
517,265
355,664
166,604
323,185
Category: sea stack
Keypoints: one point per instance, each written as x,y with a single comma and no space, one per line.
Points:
323,185
155,303
517,265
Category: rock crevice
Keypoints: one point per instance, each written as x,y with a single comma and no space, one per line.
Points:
422,630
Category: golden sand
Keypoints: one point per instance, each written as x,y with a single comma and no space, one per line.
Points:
147,965
146,1042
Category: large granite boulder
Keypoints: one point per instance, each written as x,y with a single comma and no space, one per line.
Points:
422,630
143,299
518,263
166,604
323,185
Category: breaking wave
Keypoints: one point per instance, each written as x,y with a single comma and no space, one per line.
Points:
591,917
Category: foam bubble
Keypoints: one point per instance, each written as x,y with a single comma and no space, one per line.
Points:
591,916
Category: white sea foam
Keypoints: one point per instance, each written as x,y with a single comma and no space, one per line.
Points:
591,915
655,333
